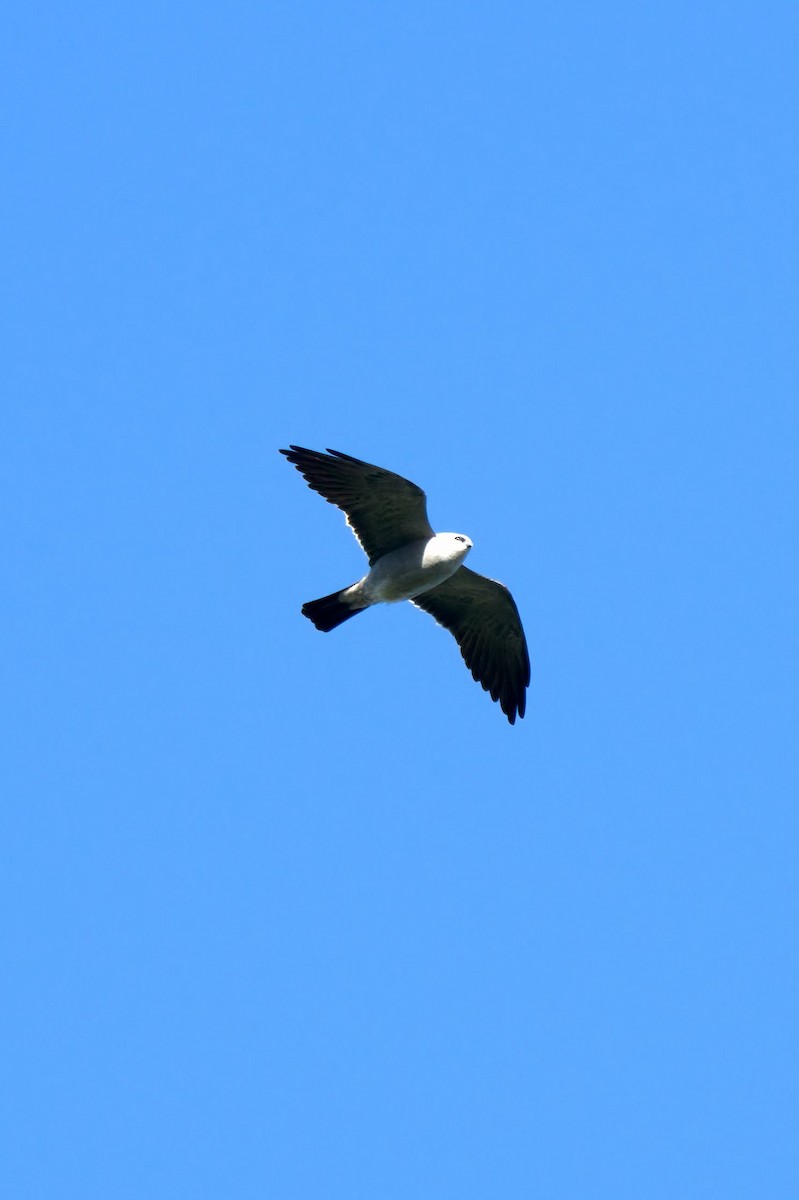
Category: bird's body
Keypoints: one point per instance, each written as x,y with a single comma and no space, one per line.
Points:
408,561
413,569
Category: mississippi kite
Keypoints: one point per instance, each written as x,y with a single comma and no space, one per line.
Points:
409,561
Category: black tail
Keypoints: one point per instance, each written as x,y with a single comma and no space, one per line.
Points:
329,611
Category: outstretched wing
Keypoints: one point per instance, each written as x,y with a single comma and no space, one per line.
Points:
383,510
484,619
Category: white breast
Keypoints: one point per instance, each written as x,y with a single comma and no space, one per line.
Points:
415,568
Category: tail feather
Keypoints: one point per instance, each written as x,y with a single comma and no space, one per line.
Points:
329,611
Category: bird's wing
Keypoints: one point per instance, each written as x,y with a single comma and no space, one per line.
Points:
484,619
383,510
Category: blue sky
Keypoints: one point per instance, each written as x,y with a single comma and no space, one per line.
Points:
300,915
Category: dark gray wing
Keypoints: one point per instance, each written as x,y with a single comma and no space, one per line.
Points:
484,619
383,510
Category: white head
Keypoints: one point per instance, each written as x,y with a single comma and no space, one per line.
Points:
453,545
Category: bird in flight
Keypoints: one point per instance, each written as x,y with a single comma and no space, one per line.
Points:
409,561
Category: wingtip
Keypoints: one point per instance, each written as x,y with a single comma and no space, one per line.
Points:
347,457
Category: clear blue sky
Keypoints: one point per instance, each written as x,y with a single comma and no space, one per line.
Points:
301,916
